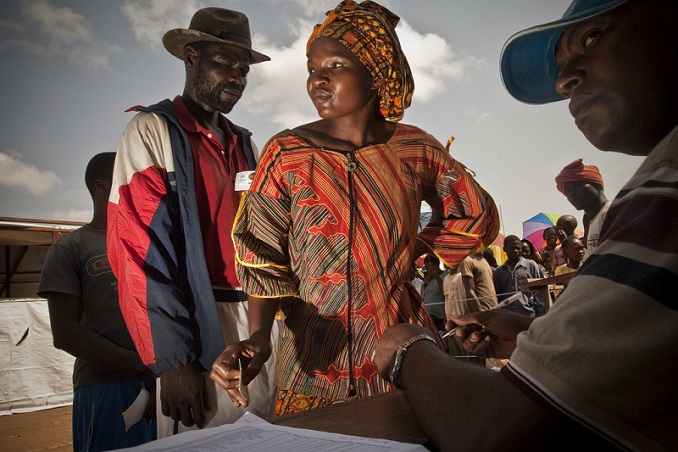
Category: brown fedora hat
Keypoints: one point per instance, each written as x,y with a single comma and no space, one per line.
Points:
214,25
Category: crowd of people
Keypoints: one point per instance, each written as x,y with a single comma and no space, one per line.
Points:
215,279
481,281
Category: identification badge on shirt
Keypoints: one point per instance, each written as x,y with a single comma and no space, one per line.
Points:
243,180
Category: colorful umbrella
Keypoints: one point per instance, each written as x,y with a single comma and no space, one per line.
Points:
533,229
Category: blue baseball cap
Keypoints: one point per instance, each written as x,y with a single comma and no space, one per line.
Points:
528,59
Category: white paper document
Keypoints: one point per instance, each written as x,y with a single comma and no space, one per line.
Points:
252,434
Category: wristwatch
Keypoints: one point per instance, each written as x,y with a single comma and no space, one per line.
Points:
394,373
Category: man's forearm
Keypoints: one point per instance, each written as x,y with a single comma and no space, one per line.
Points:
81,341
472,297
466,407
86,344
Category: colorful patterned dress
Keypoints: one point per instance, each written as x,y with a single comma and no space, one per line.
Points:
334,232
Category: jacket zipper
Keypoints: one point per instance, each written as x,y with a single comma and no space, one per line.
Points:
351,166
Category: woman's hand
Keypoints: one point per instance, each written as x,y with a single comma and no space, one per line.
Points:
239,364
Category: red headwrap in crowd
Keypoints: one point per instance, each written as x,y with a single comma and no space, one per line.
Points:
578,172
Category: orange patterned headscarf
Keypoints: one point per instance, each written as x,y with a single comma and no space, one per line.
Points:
368,30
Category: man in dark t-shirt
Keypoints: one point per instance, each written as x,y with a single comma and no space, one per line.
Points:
82,295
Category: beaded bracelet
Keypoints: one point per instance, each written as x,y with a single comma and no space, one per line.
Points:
394,374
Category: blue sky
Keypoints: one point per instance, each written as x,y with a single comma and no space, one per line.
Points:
71,67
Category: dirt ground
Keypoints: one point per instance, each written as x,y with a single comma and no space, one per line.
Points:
44,430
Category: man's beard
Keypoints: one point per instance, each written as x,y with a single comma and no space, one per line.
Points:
209,93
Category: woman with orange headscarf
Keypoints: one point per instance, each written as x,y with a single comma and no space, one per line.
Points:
328,230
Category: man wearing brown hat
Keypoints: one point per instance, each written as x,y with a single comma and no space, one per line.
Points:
179,174
582,185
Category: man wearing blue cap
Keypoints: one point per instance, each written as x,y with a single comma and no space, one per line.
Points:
599,369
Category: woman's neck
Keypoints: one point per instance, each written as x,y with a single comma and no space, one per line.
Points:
348,133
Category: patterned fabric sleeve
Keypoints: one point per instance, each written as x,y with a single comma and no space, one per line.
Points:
464,216
260,232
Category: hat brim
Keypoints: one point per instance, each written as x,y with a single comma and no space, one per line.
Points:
175,41
528,59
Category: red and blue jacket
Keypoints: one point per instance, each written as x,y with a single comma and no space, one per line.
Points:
155,246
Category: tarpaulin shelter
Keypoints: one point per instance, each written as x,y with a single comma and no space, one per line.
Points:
23,247
33,374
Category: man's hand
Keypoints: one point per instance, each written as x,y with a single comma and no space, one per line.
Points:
183,395
150,410
238,364
489,334
562,235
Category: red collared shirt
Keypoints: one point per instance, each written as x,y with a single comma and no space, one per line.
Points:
215,169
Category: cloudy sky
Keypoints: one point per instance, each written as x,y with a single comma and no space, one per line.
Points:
70,68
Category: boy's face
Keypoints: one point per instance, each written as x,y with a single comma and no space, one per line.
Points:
574,251
513,249
550,237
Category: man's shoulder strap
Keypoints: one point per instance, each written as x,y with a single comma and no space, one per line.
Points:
164,107
245,137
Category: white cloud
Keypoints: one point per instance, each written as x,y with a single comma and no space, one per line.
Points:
433,62
24,177
72,215
150,20
29,46
280,94
476,115
11,25
482,117
58,30
311,8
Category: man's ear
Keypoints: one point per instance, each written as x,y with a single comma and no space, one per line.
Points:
376,84
190,56
102,184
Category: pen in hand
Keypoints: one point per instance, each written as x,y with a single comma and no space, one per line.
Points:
449,333
502,304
